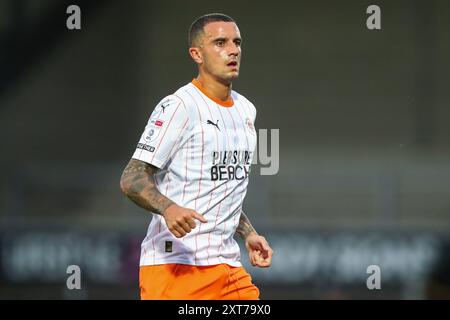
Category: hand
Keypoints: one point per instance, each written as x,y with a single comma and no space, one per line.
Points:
180,221
259,251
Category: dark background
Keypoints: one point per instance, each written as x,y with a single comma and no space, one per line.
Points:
364,174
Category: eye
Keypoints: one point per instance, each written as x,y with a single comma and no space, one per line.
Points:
220,43
238,42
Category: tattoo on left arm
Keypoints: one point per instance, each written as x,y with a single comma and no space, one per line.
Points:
244,228
138,183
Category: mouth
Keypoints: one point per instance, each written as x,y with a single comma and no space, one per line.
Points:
232,64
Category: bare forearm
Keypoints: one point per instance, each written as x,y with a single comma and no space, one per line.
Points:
138,183
244,228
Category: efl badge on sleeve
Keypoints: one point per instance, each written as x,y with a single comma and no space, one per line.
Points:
249,125
154,128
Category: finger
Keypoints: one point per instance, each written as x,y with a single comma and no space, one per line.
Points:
252,258
185,226
267,261
199,217
267,254
180,230
175,233
257,257
191,223
263,264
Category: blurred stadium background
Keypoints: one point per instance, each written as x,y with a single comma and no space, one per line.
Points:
364,142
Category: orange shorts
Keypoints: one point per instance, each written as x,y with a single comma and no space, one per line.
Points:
186,282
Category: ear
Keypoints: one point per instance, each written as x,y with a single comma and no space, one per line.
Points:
196,55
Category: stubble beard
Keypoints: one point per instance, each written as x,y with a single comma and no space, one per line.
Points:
223,76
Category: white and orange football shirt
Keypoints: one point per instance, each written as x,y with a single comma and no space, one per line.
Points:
204,148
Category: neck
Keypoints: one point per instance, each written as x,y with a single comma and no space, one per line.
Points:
214,87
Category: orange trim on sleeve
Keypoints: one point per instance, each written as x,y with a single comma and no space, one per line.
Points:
227,103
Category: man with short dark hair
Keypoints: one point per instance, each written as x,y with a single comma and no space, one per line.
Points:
192,163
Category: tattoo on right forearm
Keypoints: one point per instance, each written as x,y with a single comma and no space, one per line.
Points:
138,183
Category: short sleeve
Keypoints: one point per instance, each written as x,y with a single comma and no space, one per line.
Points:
163,132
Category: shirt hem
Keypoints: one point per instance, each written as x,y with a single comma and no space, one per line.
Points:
190,263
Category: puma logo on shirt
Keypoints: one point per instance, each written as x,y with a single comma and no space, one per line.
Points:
214,124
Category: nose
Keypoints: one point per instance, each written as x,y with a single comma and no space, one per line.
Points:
233,49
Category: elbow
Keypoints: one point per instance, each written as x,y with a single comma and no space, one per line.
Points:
124,185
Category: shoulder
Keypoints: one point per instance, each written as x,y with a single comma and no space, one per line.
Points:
187,96
172,107
187,99
176,98
246,103
180,99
